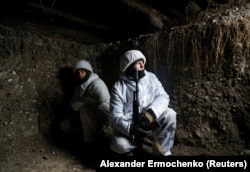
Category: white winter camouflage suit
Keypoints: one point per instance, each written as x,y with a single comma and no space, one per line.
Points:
151,96
91,99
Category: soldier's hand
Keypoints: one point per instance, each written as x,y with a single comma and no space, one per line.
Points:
145,120
138,131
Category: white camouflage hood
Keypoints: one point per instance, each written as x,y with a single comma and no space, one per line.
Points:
130,57
83,64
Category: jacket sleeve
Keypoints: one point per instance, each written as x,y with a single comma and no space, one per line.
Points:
97,95
76,101
160,98
100,93
118,119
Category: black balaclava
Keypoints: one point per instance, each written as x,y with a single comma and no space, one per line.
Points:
81,81
131,72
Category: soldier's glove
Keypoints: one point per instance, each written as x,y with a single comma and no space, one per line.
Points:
137,131
146,119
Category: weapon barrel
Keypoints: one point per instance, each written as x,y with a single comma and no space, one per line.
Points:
136,110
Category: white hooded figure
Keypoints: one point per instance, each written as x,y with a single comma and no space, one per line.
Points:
153,105
92,100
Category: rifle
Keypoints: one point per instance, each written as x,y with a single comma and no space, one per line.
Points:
136,112
136,106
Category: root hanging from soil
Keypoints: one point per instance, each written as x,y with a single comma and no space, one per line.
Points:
203,46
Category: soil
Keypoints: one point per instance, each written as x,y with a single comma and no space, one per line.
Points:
39,153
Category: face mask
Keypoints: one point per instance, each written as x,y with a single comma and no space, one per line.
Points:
81,81
132,73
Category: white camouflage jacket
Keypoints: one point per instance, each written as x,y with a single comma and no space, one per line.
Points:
92,93
151,96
